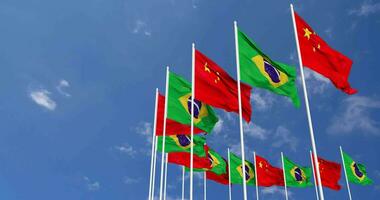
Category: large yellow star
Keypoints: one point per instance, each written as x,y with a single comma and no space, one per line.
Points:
307,33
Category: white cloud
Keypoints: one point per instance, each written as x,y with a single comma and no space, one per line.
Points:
218,126
60,87
328,32
255,131
275,190
356,115
91,185
141,27
41,97
262,100
283,137
145,129
130,180
365,9
315,82
126,149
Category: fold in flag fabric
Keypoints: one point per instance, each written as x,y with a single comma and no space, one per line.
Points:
356,172
330,173
237,171
267,175
296,176
179,105
319,56
172,127
217,163
217,88
182,143
183,159
258,70
222,178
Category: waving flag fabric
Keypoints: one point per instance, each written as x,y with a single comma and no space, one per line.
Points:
237,171
258,70
179,105
182,143
330,173
183,158
267,175
320,57
296,176
217,88
356,172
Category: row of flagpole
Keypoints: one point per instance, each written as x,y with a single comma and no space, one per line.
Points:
313,153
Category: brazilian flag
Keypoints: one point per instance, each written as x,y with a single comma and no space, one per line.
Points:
258,70
217,162
356,173
179,105
296,176
237,171
182,143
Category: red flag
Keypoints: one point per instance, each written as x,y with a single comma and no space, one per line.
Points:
183,158
330,173
216,88
320,57
267,175
172,127
222,178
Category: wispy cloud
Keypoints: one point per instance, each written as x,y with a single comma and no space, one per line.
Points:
356,115
61,86
126,149
262,100
255,131
275,190
328,32
140,27
130,180
91,185
41,97
283,137
218,126
145,129
365,9
316,83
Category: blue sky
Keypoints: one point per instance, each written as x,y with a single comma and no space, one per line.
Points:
78,80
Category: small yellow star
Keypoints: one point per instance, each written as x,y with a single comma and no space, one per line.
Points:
307,33
319,47
260,164
207,69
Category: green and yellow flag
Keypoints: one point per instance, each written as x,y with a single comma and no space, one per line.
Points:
179,105
296,176
356,173
237,171
258,70
217,162
182,143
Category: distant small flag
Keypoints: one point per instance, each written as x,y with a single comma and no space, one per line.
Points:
356,172
320,57
237,171
258,70
182,143
330,173
217,88
267,175
296,176
183,159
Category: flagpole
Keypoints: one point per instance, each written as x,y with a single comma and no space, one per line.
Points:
183,182
345,173
229,175
240,111
164,130
283,170
204,186
154,166
166,174
256,182
153,144
314,147
192,119
314,177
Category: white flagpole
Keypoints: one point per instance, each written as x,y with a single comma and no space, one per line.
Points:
192,119
204,186
166,174
283,170
314,147
154,167
345,173
183,182
257,183
153,144
240,111
164,131
229,175
314,177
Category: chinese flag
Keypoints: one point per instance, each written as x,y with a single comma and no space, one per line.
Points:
216,88
319,56
330,173
183,158
172,127
222,178
267,175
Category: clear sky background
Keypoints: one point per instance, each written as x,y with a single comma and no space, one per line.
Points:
77,86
